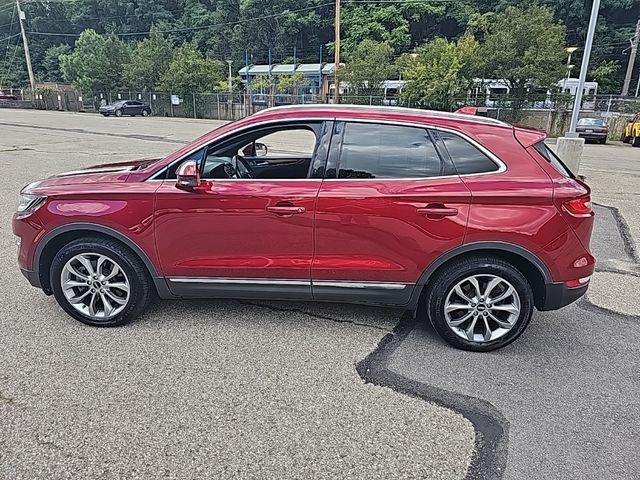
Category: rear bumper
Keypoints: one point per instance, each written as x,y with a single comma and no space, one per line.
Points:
558,295
592,136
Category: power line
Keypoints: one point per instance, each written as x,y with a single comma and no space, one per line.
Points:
8,39
188,29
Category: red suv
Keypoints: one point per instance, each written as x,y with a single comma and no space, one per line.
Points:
471,218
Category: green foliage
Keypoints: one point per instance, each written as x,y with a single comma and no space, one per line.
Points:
261,83
368,66
606,76
439,71
224,30
96,63
51,63
291,83
150,60
190,72
524,46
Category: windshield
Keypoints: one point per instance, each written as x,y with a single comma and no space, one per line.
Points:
591,122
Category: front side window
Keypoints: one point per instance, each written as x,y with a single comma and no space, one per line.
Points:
371,150
467,158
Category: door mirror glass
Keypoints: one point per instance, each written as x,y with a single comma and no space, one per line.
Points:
188,176
261,149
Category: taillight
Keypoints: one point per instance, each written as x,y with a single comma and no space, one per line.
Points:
579,206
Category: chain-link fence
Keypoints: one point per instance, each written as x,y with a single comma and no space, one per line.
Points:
544,111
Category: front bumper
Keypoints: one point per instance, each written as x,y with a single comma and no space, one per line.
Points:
33,277
558,295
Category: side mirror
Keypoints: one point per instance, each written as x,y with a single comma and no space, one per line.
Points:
261,149
188,176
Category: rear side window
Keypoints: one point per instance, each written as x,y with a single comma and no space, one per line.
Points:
466,157
550,156
371,150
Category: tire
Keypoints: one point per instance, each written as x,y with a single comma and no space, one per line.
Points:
626,139
145,113
105,114
635,141
68,267
118,113
603,141
443,292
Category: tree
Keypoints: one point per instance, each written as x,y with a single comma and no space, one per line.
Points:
150,60
261,83
291,83
190,72
366,67
525,47
605,75
439,72
96,63
50,71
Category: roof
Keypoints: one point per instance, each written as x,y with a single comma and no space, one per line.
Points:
285,68
343,111
309,67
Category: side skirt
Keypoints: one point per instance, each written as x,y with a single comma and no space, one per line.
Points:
372,293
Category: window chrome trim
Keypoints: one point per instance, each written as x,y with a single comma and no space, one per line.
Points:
502,167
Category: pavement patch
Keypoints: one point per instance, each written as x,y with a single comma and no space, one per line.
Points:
491,427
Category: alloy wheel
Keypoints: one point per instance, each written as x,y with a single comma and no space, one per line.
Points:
95,285
482,308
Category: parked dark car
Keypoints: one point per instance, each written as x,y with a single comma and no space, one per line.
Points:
475,221
7,96
126,107
593,129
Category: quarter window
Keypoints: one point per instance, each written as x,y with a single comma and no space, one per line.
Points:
387,151
466,157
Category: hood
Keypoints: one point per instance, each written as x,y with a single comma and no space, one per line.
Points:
103,173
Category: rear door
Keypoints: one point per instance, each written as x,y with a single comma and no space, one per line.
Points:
390,205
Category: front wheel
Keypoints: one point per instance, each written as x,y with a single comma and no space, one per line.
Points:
635,141
479,303
118,113
100,282
626,139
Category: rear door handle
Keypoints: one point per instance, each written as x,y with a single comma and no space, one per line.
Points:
438,211
286,210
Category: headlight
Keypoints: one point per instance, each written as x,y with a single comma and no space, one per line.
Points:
28,202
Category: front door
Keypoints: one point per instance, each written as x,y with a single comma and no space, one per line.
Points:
248,230
389,206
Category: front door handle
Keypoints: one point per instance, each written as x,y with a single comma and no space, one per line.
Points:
438,211
286,210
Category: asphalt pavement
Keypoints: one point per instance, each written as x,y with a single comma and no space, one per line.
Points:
228,389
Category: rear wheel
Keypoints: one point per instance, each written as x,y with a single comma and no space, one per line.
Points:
100,282
479,303
145,113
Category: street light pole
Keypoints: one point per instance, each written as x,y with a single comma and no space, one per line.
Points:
230,83
570,51
583,68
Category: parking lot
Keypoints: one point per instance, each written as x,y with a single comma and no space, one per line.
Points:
240,389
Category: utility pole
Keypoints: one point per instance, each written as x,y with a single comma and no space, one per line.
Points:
632,59
27,56
336,96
